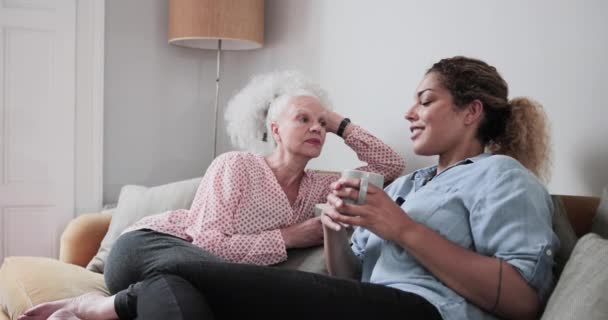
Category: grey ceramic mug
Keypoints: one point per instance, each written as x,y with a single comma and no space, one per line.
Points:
366,178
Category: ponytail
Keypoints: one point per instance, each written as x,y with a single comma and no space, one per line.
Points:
526,137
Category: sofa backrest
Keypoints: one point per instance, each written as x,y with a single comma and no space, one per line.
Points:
580,210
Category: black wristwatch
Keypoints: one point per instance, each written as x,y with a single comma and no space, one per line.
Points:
342,126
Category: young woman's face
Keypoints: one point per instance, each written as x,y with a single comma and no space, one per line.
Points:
301,127
436,125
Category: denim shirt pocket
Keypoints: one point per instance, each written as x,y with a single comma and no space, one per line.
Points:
422,204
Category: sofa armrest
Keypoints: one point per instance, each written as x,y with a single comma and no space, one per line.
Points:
82,237
3,315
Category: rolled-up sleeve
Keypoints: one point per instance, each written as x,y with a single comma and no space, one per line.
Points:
511,220
380,157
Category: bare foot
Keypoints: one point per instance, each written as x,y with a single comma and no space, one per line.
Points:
44,310
90,306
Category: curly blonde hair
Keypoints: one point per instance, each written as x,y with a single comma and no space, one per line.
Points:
250,112
526,137
517,127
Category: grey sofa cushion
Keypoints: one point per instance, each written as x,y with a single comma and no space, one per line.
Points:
582,290
136,202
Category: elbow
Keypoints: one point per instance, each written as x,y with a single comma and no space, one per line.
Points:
396,170
529,309
532,311
520,301
399,165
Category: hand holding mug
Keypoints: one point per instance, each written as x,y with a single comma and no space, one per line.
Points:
379,214
349,178
365,178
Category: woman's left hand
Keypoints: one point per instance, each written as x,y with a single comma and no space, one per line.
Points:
379,214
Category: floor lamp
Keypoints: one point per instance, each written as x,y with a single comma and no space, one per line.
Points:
217,25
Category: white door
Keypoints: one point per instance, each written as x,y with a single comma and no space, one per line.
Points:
37,112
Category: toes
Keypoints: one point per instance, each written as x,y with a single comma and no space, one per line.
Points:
24,317
43,310
35,310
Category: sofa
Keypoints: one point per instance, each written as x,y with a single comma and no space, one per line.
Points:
581,291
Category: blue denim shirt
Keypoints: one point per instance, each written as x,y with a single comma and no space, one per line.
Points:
490,204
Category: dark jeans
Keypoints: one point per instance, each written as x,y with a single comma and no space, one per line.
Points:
157,276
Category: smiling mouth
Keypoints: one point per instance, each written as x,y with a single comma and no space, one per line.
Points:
416,131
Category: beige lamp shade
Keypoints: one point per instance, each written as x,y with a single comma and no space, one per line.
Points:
201,23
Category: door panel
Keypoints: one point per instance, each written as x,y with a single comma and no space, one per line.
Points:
37,112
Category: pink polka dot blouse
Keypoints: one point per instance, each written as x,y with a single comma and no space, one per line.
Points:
239,207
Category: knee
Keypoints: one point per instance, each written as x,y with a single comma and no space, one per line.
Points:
127,243
121,267
171,296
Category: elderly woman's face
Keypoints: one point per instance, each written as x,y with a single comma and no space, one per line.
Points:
436,125
301,126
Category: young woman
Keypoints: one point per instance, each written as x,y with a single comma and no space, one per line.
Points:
471,235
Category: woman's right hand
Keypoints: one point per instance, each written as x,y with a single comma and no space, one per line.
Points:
305,234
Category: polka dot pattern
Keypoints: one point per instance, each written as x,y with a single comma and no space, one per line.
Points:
239,207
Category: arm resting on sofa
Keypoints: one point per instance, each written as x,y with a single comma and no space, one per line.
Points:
82,237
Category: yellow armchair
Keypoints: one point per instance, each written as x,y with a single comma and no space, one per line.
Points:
28,281
82,237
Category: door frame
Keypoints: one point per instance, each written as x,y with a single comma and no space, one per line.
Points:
90,34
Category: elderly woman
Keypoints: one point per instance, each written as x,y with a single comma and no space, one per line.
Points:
249,208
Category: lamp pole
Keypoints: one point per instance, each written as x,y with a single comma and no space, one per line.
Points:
217,96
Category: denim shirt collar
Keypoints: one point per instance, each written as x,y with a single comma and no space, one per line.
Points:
426,174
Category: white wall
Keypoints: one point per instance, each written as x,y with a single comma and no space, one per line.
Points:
370,56
158,100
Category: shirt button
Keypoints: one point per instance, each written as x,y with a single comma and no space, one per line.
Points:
549,252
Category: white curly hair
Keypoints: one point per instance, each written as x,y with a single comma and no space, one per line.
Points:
251,111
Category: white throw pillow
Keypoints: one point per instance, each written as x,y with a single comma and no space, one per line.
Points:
136,202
